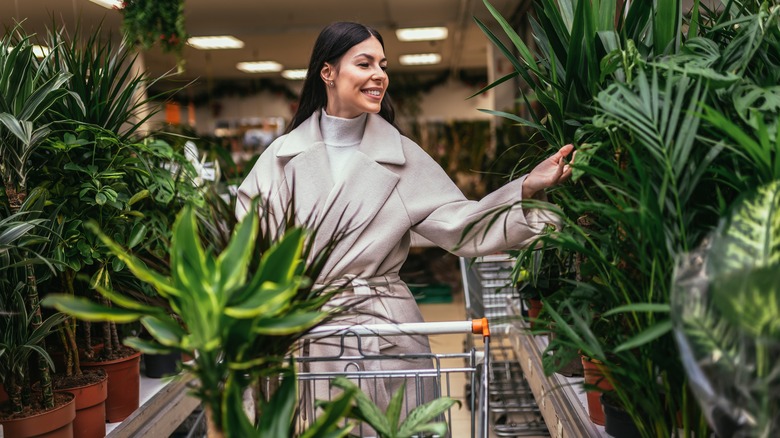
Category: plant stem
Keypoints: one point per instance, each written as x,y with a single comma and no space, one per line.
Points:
37,321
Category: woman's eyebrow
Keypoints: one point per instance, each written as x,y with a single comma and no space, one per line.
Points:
370,57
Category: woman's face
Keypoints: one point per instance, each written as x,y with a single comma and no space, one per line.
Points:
359,80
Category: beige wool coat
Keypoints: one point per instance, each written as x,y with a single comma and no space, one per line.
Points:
390,188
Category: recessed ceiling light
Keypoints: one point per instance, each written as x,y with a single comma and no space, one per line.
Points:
110,4
420,59
215,42
421,33
259,66
40,51
295,74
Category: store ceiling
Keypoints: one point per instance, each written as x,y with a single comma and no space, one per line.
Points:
284,30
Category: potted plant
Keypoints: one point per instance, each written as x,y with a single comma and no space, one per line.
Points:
25,97
220,318
659,161
31,408
96,168
151,22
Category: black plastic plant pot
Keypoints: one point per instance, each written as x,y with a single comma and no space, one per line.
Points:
618,422
161,365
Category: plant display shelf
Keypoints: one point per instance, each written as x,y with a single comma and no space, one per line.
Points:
561,400
165,404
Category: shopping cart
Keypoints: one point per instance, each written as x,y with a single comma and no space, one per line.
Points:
490,292
440,373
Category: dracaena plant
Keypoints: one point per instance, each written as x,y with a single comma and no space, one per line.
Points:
222,305
726,299
23,237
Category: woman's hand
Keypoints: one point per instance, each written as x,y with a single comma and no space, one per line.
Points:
548,173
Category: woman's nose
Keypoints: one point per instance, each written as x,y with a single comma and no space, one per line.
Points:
379,74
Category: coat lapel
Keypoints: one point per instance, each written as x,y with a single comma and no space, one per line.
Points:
356,199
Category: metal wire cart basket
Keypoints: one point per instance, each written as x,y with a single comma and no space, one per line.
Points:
490,293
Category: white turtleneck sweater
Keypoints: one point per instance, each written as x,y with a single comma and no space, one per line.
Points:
342,138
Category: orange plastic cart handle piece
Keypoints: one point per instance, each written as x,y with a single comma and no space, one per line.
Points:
480,326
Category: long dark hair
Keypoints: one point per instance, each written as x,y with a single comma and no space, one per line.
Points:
334,41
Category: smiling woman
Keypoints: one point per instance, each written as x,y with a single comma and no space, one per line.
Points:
345,167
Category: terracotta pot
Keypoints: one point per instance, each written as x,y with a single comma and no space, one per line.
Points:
534,308
56,423
124,385
595,374
90,419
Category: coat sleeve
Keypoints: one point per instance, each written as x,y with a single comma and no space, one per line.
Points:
265,181
441,213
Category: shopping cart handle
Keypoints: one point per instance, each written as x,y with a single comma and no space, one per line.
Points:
477,326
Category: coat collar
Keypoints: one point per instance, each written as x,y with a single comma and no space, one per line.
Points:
381,140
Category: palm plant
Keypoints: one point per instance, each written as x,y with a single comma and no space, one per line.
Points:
654,169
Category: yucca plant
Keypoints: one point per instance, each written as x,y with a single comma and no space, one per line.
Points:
222,306
726,303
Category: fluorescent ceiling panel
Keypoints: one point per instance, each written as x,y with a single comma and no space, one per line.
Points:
420,59
109,4
295,74
259,67
421,33
216,42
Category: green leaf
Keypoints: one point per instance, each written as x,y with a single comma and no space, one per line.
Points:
364,410
164,330
87,310
145,346
327,424
233,262
394,408
267,300
159,282
647,335
640,307
288,324
420,418
278,413
752,237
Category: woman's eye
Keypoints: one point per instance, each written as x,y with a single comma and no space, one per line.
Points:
363,64
383,67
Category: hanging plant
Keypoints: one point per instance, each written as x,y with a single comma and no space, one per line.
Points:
150,22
